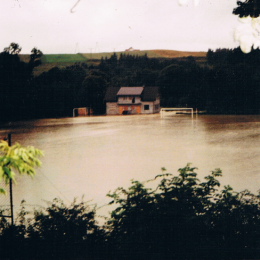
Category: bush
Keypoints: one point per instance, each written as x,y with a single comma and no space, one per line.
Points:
58,231
182,218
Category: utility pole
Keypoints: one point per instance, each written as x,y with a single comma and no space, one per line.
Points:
91,53
11,204
11,189
97,48
77,48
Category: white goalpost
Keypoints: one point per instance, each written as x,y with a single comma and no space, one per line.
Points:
164,110
80,111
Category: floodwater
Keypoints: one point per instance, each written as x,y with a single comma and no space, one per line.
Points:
91,156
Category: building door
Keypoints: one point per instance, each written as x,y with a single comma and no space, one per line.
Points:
120,110
138,109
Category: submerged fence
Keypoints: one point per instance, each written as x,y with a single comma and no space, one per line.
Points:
5,202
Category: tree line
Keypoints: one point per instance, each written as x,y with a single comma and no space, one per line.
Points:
182,218
227,83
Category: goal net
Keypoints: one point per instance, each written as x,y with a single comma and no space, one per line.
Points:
168,111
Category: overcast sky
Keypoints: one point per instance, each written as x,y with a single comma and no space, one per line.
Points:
70,26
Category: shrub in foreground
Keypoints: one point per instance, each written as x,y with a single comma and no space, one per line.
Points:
58,232
182,218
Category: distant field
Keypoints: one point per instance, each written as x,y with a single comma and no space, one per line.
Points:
83,57
176,54
62,60
150,54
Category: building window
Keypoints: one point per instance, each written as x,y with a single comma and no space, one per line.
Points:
146,107
133,100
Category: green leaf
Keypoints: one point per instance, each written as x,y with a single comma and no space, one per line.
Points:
17,158
2,191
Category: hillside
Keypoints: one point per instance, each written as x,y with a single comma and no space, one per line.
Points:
177,54
62,60
150,54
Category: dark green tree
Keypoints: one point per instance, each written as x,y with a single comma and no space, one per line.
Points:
179,84
16,84
169,222
59,88
64,231
55,232
247,8
93,91
13,48
35,56
184,218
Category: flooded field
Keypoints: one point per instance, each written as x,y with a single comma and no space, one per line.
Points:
92,155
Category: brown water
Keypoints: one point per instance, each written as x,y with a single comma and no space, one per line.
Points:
92,155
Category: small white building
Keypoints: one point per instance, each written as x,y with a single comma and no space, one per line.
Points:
132,100
131,49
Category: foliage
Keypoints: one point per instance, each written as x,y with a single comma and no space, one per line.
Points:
35,57
61,88
64,231
13,48
219,56
55,232
179,84
184,218
247,8
234,82
93,91
181,218
16,83
17,158
227,84
220,87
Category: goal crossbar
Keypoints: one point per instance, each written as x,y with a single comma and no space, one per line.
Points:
166,109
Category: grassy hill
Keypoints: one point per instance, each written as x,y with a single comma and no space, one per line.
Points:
150,54
62,60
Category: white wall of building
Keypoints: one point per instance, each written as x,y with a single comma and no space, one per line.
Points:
129,100
154,107
111,108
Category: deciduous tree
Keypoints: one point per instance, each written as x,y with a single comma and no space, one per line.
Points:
247,8
19,159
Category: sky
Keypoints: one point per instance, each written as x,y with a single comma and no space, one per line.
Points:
73,26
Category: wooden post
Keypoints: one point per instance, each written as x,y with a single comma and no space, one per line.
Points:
11,188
